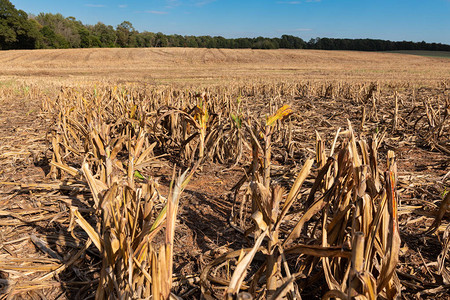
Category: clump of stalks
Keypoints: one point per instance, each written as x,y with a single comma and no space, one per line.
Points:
438,122
194,130
204,125
337,220
344,225
128,209
128,218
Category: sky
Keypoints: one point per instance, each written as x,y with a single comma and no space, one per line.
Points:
396,20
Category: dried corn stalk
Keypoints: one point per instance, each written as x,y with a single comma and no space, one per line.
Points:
348,217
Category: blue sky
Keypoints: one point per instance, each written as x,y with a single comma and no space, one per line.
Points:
397,20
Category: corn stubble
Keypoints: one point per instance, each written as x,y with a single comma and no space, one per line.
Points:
347,224
129,210
336,224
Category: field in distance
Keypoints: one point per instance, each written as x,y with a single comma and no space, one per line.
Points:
442,54
209,66
331,154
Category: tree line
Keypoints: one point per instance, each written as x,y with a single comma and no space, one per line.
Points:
18,30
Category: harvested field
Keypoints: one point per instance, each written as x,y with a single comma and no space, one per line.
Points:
205,173
214,66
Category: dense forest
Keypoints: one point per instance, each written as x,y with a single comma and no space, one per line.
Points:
18,30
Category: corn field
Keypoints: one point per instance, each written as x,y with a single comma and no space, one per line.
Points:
257,190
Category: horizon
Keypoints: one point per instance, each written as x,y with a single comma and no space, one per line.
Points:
400,21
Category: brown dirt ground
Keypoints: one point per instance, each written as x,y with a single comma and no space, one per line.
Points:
203,231
203,228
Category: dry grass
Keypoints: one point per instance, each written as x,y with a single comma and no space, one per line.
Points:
206,66
317,207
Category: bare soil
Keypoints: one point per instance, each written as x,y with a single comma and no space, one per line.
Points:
203,231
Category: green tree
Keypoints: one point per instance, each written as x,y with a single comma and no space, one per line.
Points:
161,40
243,43
53,40
175,40
145,39
221,42
191,41
86,40
64,28
291,42
106,34
16,31
126,34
